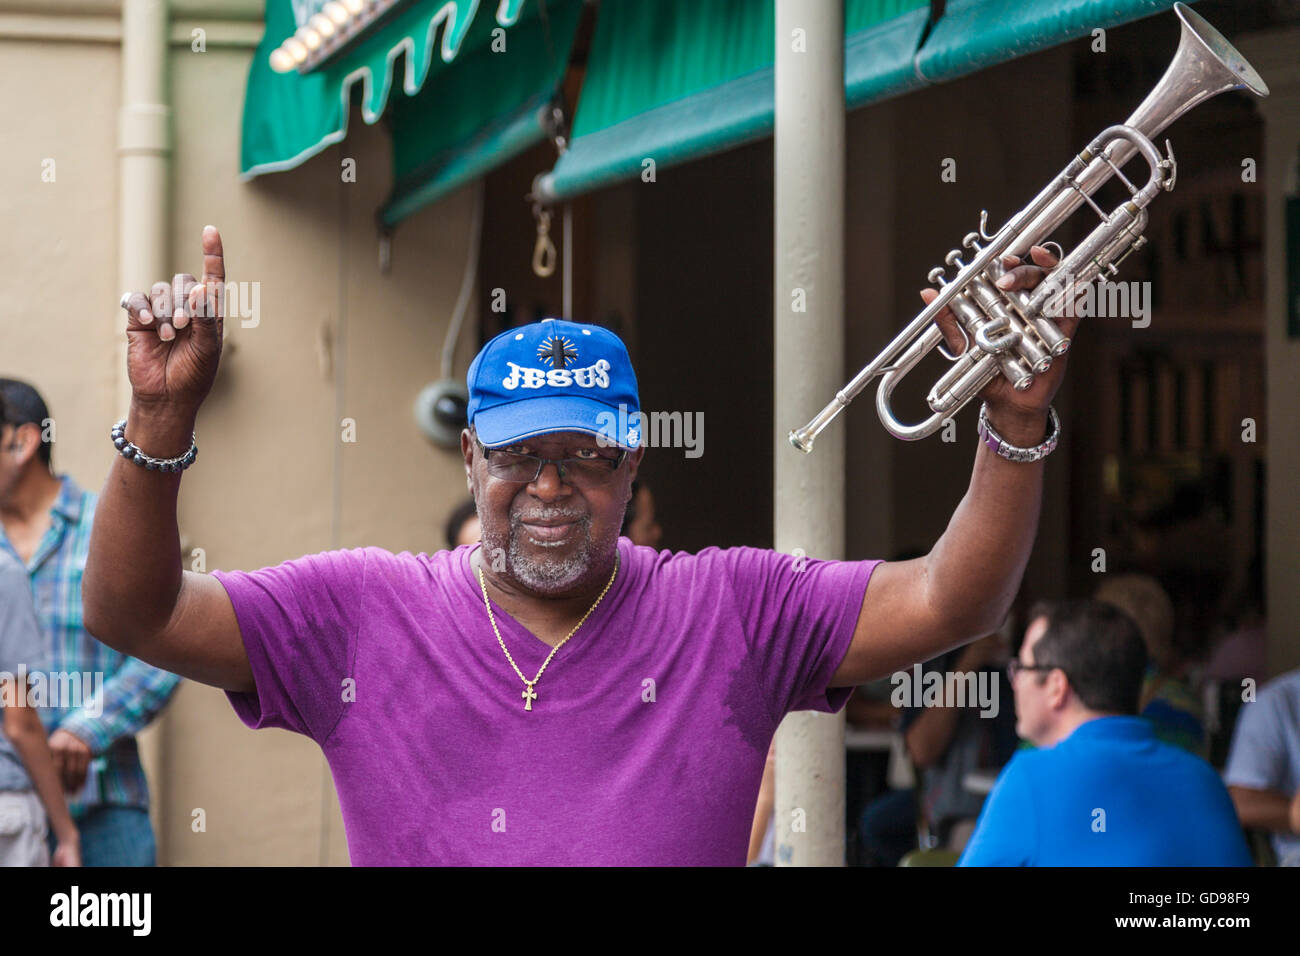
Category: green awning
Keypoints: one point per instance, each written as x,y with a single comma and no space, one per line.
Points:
880,41
675,80
483,112
668,80
445,44
974,34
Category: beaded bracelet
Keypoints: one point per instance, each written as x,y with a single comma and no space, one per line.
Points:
1011,452
131,453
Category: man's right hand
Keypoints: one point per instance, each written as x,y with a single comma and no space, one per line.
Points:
174,338
136,595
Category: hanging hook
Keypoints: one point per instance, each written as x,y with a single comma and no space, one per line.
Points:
554,121
544,255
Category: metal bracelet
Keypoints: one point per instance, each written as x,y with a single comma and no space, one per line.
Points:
1011,452
131,453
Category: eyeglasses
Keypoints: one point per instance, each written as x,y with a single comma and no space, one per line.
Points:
591,472
1014,667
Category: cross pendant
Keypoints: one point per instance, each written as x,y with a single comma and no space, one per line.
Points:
528,697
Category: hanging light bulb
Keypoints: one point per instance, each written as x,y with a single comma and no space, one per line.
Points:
309,37
282,60
324,32
296,50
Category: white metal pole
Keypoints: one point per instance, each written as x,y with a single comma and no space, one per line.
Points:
144,224
809,364
144,155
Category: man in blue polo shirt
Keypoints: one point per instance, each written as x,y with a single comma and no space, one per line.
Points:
1263,771
1101,790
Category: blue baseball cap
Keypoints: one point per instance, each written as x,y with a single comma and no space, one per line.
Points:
554,376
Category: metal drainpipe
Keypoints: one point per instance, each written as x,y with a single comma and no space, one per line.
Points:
144,219
809,366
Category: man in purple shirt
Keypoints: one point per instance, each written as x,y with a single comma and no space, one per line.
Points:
556,695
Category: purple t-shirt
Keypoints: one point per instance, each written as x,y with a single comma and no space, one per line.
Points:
647,740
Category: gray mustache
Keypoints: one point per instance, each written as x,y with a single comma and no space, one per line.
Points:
518,519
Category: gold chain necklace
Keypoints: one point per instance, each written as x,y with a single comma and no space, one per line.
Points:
528,695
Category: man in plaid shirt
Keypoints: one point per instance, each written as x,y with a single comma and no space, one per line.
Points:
45,522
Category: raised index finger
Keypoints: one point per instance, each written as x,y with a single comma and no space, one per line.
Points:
214,262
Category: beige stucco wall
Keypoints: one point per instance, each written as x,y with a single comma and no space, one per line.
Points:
336,339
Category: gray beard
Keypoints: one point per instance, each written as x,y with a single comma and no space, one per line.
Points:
557,575
548,577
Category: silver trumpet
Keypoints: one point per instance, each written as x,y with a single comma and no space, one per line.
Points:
1014,332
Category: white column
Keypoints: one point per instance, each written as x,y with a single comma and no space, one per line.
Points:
144,154
809,368
1273,54
144,225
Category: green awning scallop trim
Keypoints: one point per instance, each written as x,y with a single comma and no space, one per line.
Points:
290,117
471,119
